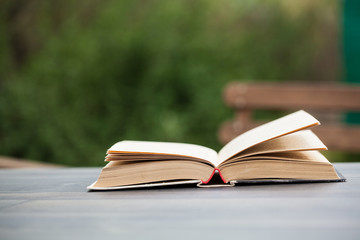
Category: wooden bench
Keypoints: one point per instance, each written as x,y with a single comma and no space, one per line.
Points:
10,162
325,102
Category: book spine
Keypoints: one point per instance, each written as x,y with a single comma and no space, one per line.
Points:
212,174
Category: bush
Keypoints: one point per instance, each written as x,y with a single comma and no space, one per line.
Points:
144,70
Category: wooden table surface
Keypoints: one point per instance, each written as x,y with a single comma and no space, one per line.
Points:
54,204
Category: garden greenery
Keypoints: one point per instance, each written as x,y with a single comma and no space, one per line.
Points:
97,72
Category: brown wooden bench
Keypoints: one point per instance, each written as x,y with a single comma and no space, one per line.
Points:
10,162
325,102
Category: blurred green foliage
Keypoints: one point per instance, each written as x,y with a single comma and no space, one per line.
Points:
78,76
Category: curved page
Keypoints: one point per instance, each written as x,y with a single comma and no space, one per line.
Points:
291,123
182,149
304,140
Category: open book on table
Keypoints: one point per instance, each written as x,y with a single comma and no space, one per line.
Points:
283,150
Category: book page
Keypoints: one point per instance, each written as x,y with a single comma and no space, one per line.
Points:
279,127
299,156
182,149
298,141
311,156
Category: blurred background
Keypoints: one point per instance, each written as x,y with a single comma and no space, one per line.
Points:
78,76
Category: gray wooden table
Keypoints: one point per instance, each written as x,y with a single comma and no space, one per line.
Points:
54,204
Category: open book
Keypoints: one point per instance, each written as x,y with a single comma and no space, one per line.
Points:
283,150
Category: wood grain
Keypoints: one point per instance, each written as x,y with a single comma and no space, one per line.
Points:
54,204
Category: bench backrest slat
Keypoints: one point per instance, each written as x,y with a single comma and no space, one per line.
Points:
277,96
334,99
